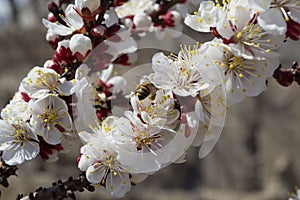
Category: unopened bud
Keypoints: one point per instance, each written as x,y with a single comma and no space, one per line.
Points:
53,8
142,20
80,44
171,18
51,17
99,31
284,77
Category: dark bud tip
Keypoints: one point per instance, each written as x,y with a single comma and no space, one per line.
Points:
53,7
31,195
297,76
284,77
295,65
20,196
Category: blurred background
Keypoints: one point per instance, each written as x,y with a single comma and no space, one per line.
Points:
257,156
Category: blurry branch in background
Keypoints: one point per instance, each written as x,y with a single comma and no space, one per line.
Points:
38,6
14,11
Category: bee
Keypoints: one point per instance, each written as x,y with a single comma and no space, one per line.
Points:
145,90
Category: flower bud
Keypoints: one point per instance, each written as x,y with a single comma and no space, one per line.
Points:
80,44
52,39
51,17
53,8
142,20
171,18
284,77
98,31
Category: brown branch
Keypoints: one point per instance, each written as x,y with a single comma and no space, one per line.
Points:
60,190
5,172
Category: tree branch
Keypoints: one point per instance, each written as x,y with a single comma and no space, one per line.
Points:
60,190
5,172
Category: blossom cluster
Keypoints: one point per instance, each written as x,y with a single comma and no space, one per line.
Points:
182,103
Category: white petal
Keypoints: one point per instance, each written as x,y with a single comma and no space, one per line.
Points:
52,135
295,13
106,73
272,21
14,156
110,18
87,137
58,28
74,18
95,173
31,150
199,111
65,88
118,185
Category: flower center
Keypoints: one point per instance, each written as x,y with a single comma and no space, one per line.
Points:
20,135
144,140
111,162
50,116
46,79
235,65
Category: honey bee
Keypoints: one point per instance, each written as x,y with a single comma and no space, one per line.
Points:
145,90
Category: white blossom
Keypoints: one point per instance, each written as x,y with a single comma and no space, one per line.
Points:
144,148
242,77
160,112
240,30
17,108
236,24
73,20
179,75
100,161
42,81
206,17
134,7
50,118
17,142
